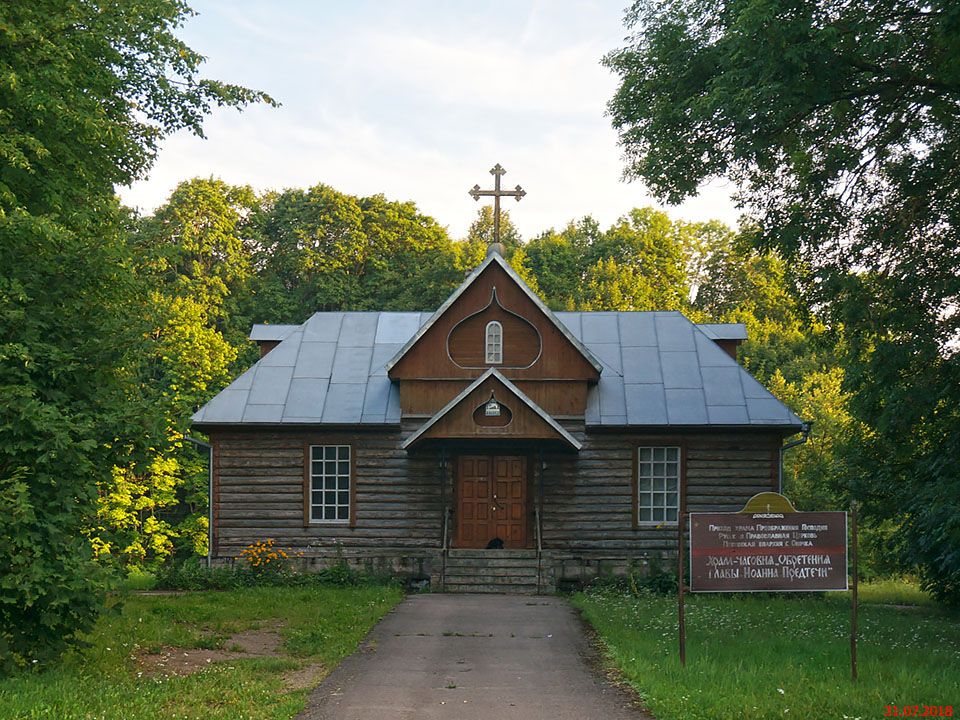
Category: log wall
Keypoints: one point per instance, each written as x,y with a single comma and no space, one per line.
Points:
589,526
587,510
259,494
588,497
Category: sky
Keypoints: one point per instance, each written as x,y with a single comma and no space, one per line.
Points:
417,101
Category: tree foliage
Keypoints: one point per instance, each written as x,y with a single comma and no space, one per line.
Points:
639,263
87,91
838,121
319,249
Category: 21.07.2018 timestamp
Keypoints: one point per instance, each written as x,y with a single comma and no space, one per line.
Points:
918,711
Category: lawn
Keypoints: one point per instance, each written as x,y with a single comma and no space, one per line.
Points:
751,656
110,679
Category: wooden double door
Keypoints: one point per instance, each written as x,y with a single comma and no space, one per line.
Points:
491,497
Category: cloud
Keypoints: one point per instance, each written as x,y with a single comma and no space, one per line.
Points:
417,102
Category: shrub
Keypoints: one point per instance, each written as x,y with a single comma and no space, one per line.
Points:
50,590
193,575
642,577
263,564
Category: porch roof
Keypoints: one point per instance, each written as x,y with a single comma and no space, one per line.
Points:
539,424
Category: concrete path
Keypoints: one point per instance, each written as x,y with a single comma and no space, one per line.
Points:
472,656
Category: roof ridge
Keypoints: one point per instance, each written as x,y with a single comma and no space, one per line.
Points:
662,384
286,398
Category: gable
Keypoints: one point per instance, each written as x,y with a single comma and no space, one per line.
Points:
536,346
463,418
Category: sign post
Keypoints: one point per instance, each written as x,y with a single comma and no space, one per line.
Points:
683,627
853,595
769,547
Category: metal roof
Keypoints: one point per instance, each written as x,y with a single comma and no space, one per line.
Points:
659,369
663,370
264,332
724,331
493,372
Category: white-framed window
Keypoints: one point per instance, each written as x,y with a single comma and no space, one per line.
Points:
658,484
494,343
330,483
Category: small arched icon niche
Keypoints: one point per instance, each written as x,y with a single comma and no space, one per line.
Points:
492,413
520,342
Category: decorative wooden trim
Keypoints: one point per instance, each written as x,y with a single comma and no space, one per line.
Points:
451,423
306,483
494,300
352,523
634,491
494,259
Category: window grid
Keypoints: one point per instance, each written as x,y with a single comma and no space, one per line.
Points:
330,483
658,484
494,342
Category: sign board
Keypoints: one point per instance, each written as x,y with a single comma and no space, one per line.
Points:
768,546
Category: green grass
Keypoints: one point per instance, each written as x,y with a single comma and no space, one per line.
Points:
318,625
751,656
894,592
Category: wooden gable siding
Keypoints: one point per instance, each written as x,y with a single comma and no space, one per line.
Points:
559,398
729,347
466,420
588,499
266,346
521,340
557,358
259,492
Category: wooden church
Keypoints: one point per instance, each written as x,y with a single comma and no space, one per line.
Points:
490,445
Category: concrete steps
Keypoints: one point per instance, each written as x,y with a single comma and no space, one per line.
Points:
492,571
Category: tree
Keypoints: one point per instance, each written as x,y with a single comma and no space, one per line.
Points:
741,284
88,91
610,285
637,264
558,260
193,256
195,244
410,258
481,229
652,245
319,249
63,341
838,121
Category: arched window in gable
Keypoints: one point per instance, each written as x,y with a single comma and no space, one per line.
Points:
494,343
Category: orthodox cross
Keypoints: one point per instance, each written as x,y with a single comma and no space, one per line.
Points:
496,194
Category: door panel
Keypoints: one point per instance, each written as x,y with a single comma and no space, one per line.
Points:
491,501
473,501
